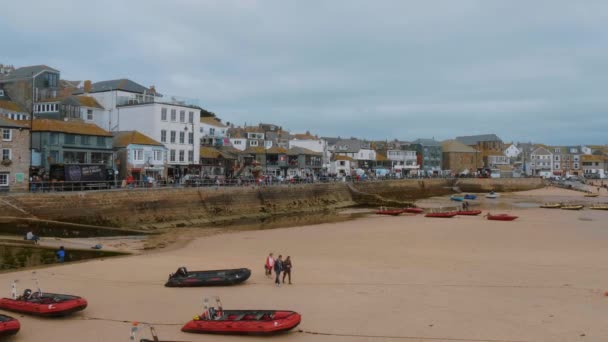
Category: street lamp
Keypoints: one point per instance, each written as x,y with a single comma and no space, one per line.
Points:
32,119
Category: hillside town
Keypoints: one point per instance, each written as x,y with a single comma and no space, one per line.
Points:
122,133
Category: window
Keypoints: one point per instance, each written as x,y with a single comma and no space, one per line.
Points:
53,138
173,115
211,131
85,139
158,155
172,155
163,136
191,156
70,139
163,114
70,157
191,117
7,134
6,154
101,158
101,141
190,138
173,135
138,155
181,155
237,142
182,116
89,114
253,142
182,136
3,179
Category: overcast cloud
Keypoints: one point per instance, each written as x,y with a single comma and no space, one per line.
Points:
525,70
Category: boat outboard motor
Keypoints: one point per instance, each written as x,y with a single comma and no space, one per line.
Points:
27,294
182,272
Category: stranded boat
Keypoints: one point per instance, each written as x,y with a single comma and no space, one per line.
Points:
599,207
551,205
442,215
468,212
215,320
392,212
413,210
456,198
470,197
591,195
184,278
492,195
501,217
43,304
8,326
572,207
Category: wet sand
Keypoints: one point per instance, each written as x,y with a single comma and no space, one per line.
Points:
539,278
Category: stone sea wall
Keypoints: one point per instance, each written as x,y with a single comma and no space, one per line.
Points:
149,208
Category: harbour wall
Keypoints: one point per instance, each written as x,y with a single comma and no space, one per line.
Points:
148,209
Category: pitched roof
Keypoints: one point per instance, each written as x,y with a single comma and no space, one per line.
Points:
26,72
304,136
209,120
6,122
10,105
209,152
427,142
88,101
295,151
350,145
455,146
475,139
262,150
123,84
74,127
541,151
126,138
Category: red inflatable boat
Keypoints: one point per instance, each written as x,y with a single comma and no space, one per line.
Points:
442,215
242,322
44,304
501,217
8,325
393,212
413,210
468,212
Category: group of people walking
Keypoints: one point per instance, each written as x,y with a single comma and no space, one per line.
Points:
279,266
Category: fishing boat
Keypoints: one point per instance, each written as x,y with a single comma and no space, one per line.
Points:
501,217
216,320
184,278
413,210
551,205
468,212
8,326
470,197
456,198
42,303
572,207
591,195
492,195
442,215
391,212
599,207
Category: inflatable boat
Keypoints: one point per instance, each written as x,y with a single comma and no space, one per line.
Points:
468,212
8,326
44,304
216,320
392,212
442,215
470,197
413,210
501,217
185,278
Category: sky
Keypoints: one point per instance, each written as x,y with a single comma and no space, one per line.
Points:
524,70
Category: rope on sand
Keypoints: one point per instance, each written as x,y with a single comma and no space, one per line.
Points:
418,338
89,318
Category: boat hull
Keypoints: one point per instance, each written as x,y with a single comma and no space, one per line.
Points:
457,199
468,212
390,212
599,208
501,217
470,197
50,305
413,210
244,322
210,278
578,207
441,215
8,326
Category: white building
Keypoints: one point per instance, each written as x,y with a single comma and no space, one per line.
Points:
541,162
402,160
342,165
212,131
512,151
312,143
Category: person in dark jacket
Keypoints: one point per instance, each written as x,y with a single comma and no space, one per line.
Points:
287,269
60,254
278,268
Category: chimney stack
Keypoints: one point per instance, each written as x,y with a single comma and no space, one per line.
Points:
152,89
88,86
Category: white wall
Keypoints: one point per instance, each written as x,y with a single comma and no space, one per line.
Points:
319,146
239,146
365,154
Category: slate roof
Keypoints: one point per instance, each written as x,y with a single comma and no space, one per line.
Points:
74,127
122,84
10,105
541,151
455,146
8,123
351,145
475,139
126,138
296,151
26,72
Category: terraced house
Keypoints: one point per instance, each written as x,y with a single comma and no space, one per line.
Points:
15,154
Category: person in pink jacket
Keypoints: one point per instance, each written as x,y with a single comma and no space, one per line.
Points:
269,265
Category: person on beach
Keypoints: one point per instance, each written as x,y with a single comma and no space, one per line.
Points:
269,265
31,237
60,254
287,269
278,268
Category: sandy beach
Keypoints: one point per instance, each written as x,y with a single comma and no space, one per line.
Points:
539,278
